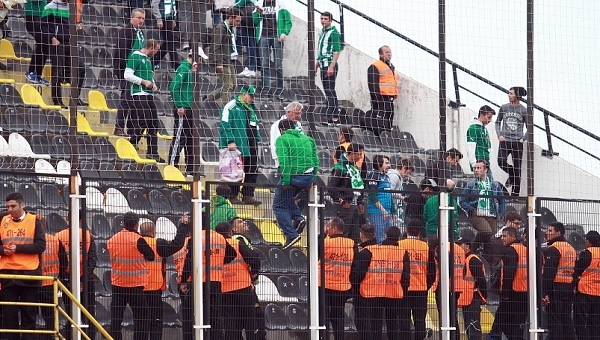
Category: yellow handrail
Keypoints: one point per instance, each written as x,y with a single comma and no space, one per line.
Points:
56,286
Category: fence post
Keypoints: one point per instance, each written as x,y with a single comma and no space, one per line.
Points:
444,266
532,278
313,262
197,273
75,255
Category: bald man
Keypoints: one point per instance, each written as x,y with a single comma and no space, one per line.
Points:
156,282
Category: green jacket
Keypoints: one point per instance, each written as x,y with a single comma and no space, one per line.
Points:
221,210
235,116
34,8
284,23
297,153
431,213
182,86
478,142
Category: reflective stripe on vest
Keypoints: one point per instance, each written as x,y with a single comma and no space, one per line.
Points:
338,254
217,255
19,233
566,264
418,252
466,297
236,274
590,278
384,275
156,272
129,268
388,83
50,261
179,259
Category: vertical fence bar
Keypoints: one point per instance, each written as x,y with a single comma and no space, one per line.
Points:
442,70
313,263
197,273
533,244
444,266
75,252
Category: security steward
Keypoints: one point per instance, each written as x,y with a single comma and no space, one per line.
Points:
357,274
130,255
54,263
385,279
475,292
338,255
586,309
512,311
23,241
237,285
383,88
557,282
157,269
422,276
221,253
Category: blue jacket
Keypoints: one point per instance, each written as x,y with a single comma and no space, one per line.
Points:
380,182
469,203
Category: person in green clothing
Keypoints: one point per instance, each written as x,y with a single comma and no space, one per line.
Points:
328,49
299,164
181,89
273,24
431,212
221,210
239,130
478,138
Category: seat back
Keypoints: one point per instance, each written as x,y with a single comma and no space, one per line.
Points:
279,261
159,202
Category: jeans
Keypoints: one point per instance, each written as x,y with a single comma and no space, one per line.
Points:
514,171
265,44
245,37
41,52
380,224
284,203
330,94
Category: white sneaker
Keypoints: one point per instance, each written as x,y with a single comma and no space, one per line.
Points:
245,72
201,53
185,46
251,74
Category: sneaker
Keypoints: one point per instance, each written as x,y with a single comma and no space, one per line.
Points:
245,72
43,81
251,74
185,46
201,53
32,78
249,200
290,242
299,226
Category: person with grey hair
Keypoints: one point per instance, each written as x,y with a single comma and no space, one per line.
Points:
293,112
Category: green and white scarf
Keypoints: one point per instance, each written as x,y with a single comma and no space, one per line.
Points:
484,204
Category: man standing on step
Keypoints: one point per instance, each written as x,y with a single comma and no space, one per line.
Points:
478,138
383,87
131,39
328,49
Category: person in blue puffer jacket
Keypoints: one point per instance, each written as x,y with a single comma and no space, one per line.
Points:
380,206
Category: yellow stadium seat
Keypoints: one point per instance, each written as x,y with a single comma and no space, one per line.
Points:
172,174
84,126
270,231
7,51
7,81
159,135
32,97
47,72
97,102
125,150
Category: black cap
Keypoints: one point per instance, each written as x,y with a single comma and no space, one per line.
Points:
594,237
429,183
464,240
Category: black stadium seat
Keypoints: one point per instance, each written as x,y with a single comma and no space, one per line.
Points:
9,96
298,320
279,262
36,120
180,203
57,123
151,172
101,227
103,257
129,171
210,152
30,196
51,198
105,151
159,203
55,223
13,120
303,287
101,57
275,318
137,200
287,287
62,148
298,260
41,146
85,148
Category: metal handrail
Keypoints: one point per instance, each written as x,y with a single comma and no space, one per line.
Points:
56,285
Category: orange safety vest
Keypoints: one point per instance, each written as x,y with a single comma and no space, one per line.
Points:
466,297
50,261
338,256
566,264
129,268
590,278
388,83
179,259
384,275
15,233
217,255
459,270
418,251
520,280
64,236
236,274
156,270
78,10
358,163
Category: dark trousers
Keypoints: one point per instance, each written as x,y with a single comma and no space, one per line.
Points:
511,316
414,304
382,114
352,220
183,140
380,309
134,297
472,317
40,53
330,94
123,111
47,296
453,311
60,56
10,319
167,36
514,171
243,314
246,37
333,316
212,310
143,116
559,310
586,313
250,174
154,314
361,317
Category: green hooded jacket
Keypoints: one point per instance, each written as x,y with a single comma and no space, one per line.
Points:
221,210
297,153
235,117
182,86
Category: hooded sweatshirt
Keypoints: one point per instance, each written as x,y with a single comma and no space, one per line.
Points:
478,142
297,154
